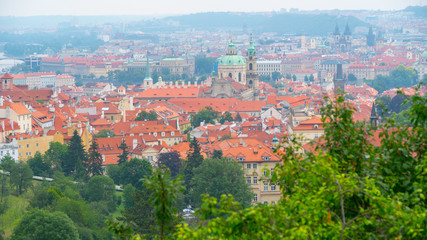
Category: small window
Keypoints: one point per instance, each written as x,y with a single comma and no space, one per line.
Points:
28,145
273,187
255,166
248,166
37,144
265,186
241,159
265,172
255,197
172,133
316,126
255,180
248,179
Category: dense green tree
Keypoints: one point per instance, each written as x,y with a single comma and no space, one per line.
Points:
101,188
45,196
333,194
79,211
104,133
41,225
141,214
146,116
206,115
123,157
311,78
226,117
194,160
38,165
294,78
165,193
351,77
172,161
217,154
305,78
400,77
265,78
7,162
216,177
55,156
4,192
94,164
276,76
134,171
113,171
21,176
76,157
128,191
238,118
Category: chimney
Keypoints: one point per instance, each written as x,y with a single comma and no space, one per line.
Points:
2,125
131,103
102,114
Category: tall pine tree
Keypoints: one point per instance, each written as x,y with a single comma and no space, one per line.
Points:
76,157
194,159
94,164
123,157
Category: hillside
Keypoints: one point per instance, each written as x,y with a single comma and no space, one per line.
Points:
309,24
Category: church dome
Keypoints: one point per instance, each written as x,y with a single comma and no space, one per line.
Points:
231,60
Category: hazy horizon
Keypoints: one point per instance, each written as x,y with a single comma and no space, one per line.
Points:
14,8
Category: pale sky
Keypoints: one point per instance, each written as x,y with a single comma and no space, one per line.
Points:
169,7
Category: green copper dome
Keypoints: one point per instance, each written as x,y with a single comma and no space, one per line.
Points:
424,55
234,60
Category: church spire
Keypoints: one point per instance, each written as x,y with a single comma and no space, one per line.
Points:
347,30
251,48
337,30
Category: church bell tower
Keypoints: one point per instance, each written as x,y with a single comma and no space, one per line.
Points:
252,78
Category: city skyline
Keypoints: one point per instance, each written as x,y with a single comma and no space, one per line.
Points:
170,7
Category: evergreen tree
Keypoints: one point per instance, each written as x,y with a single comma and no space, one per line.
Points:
94,164
238,118
123,157
76,157
194,160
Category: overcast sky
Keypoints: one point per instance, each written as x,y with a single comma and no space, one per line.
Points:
168,7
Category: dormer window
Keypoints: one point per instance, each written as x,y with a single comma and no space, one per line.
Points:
163,134
172,133
316,126
240,159
266,158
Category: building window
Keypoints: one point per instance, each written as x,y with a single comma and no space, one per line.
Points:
241,159
37,144
163,134
255,166
28,145
248,166
265,172
266,158
172,133
265,186
273,187
265,202
255,197
255,180
248,179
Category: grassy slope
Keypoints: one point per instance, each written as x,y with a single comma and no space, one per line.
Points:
17,209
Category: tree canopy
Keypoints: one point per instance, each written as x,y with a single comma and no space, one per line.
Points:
146,116
219,176
41,224
206,115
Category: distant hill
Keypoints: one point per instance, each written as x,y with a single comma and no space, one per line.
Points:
419,11
284,23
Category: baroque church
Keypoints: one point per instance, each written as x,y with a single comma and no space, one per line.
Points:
237,76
